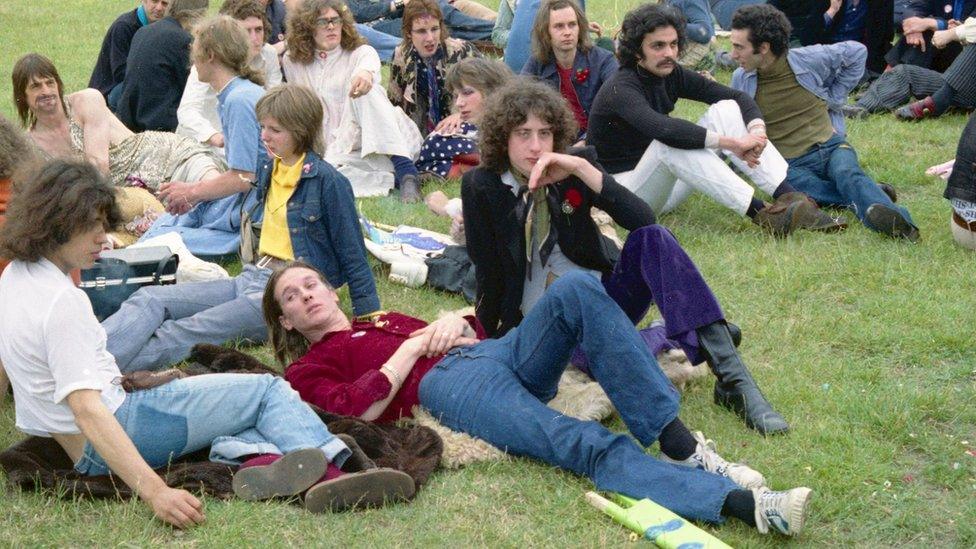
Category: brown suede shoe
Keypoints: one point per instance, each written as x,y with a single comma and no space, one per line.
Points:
369,488
796,210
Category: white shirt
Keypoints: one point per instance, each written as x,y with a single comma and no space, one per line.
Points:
51,345
329,77
197,114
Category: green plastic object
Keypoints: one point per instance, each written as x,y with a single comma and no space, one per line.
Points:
655,523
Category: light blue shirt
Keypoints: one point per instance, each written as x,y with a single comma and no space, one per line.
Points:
239,122
828,71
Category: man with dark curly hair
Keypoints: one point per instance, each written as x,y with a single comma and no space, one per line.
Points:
663,159
527,219
800,91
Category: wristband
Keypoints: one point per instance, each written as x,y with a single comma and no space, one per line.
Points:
392,372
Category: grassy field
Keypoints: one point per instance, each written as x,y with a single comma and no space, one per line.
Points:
865,344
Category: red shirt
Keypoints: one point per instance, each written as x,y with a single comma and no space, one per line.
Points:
568,91
341,372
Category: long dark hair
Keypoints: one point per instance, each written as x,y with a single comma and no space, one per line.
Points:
287,345
62,199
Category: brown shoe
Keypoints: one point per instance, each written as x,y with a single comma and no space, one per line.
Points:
288,476
808,214
370,488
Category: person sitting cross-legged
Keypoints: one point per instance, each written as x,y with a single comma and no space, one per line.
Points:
662,159
365,136
800,91
66,385
496,390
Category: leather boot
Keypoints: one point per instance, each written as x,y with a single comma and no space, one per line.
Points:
735,388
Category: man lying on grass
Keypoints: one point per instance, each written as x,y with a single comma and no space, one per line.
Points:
66,385
496,390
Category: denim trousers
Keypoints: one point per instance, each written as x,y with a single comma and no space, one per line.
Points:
497,390
235,414
723,10
654,268
159,325
383,43
831,174
461,25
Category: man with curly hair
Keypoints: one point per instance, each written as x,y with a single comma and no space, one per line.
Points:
800,91
662,159
528,222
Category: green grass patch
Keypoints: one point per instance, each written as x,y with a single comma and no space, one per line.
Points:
866,345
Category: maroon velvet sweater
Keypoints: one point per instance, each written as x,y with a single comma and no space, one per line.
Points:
341,372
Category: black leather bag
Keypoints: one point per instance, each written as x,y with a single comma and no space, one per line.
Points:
119,273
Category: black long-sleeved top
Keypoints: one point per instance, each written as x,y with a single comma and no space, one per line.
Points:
275,11
158,65
632,108
496,237
110,67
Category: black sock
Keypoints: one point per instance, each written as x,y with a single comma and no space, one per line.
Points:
676,441
783,188
754,206
943,98
402,166
742,505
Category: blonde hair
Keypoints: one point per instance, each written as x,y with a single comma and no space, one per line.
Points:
223,38
299,111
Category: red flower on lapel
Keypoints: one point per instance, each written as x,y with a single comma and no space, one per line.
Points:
571,201
307,167
582,75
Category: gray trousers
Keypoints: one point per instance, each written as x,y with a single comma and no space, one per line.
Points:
905,82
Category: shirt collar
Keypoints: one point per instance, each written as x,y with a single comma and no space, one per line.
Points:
228,87
509,179
141,14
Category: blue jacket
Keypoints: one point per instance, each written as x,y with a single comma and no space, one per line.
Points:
600,62
325,229
940,10
699,25
828,71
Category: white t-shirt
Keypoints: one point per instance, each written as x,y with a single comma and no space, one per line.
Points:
51,345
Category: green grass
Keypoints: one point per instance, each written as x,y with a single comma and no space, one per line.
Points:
865,344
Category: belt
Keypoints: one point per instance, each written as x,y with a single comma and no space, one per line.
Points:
270,262
958,220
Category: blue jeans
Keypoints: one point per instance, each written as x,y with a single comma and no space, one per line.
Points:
830,174
461,25
235,414
159,325
497,390
383,43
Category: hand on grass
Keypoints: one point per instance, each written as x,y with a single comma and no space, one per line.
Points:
176,507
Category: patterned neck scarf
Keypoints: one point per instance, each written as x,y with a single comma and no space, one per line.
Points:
429,85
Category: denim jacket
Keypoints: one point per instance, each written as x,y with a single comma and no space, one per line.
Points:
325,229
828,71
600,63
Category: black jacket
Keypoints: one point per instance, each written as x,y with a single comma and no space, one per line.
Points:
110,67
158,65
496,238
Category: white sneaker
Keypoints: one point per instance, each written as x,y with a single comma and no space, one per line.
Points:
784,511
412,274
706,458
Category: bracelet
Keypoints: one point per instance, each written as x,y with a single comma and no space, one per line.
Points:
392,372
